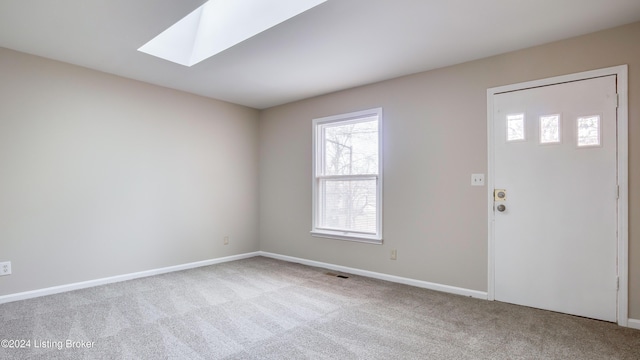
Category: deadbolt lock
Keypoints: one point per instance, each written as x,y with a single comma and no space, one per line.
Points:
500,194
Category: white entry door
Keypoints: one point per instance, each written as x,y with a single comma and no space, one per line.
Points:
555,221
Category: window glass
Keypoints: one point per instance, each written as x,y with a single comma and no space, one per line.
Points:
347,181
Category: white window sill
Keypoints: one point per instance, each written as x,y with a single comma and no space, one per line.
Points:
339,235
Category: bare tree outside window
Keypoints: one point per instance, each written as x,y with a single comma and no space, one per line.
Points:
589,131
347,175
350,149
550,129
515,127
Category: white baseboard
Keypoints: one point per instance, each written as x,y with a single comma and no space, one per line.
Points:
632,323
113,279
397,279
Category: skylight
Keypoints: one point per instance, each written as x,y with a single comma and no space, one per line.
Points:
220,24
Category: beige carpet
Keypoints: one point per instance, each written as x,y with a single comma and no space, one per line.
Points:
262,308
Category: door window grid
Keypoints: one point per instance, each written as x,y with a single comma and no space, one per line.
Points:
588,129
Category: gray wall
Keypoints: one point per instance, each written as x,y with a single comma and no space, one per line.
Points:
435,137
101,176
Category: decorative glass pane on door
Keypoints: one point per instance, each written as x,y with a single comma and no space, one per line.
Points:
589,130
515,127
549,129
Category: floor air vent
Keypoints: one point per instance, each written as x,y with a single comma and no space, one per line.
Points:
336,275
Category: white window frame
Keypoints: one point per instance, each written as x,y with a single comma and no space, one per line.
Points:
317,155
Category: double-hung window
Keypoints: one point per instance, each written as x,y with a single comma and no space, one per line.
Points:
347,176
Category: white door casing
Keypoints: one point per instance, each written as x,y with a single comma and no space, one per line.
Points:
561,242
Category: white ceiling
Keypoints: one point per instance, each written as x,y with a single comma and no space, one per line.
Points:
336,45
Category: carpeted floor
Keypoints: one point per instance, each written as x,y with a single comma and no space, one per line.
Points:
261,308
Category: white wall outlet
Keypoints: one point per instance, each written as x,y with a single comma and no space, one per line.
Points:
477,179
394,254
5,268
226,240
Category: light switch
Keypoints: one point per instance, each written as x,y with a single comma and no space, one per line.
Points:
477,179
